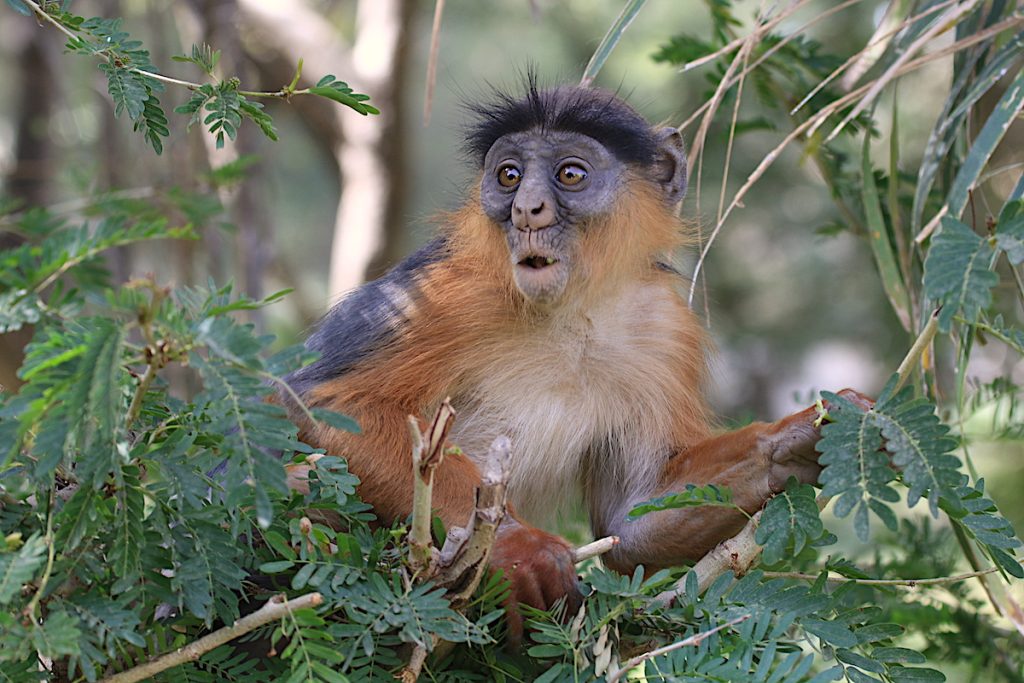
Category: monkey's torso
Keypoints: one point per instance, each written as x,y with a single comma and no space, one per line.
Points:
584,393
597,393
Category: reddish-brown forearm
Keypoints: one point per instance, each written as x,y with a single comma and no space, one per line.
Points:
753,462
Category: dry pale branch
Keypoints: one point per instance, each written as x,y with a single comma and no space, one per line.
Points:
466,554
435,47
463,559
695,639
941,24
809,127
598,547
904,583
737,555
276,608
427,454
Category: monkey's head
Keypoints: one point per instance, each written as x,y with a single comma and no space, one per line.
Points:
555,163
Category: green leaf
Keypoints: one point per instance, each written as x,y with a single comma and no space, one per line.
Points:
611,39
834,633
711,495
203,56
995,127
856,471
900,674
336,420
859,661
129,533
979,519
276,567
339,91
18,568
94,402
897,655
19,7
919,446
957,272
789,522
682,49
878,238
57,636
127,88
1010,231
153,123
254,112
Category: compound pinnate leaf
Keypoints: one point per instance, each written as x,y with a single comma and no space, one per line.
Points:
958,273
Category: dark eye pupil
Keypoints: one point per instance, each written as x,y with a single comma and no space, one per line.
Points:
508,176
571,175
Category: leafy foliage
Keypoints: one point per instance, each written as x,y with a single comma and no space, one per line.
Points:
789,522
691,496
133,81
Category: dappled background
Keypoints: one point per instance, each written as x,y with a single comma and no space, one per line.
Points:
789,290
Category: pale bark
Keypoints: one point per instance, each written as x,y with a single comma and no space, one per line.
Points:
370,154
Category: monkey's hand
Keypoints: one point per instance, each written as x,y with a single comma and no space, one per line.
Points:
541,571
788,445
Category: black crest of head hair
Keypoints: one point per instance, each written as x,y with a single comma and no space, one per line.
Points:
596,113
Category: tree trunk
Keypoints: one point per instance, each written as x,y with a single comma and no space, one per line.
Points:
370,154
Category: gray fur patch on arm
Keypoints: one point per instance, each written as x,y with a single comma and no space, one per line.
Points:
366,320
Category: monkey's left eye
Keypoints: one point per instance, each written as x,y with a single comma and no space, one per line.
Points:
509,175
572,174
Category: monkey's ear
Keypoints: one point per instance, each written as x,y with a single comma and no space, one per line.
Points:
669,169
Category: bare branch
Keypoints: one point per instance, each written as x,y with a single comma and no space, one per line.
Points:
276,608
695,639
427,455
598,547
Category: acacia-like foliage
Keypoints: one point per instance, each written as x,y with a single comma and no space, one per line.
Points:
133,81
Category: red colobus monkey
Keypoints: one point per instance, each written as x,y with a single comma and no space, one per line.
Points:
547,311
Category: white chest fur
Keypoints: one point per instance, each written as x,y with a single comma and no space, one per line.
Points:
589,393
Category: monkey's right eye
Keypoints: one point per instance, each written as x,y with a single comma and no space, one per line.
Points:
509,176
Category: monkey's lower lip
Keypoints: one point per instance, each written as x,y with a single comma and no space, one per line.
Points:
538,262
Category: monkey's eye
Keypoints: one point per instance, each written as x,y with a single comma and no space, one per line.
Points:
509,176
572,174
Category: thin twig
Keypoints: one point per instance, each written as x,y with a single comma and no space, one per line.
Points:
941,24
51,555
598,547
276,608
874,42
914,354
411,672
821,116
737,555
695,639
435,48
283,93
140,392
427,455
767,54
906,583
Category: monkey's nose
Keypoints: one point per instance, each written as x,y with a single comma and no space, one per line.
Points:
538,216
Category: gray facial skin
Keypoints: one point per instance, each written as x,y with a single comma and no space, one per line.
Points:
540,208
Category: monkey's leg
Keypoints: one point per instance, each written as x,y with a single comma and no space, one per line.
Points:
754,462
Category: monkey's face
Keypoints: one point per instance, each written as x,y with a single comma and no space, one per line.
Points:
542,188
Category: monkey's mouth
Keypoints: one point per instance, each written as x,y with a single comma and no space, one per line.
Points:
541,278
538,262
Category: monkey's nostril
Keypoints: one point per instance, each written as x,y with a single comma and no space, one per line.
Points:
536,210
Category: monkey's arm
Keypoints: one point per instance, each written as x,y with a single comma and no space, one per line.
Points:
754,462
